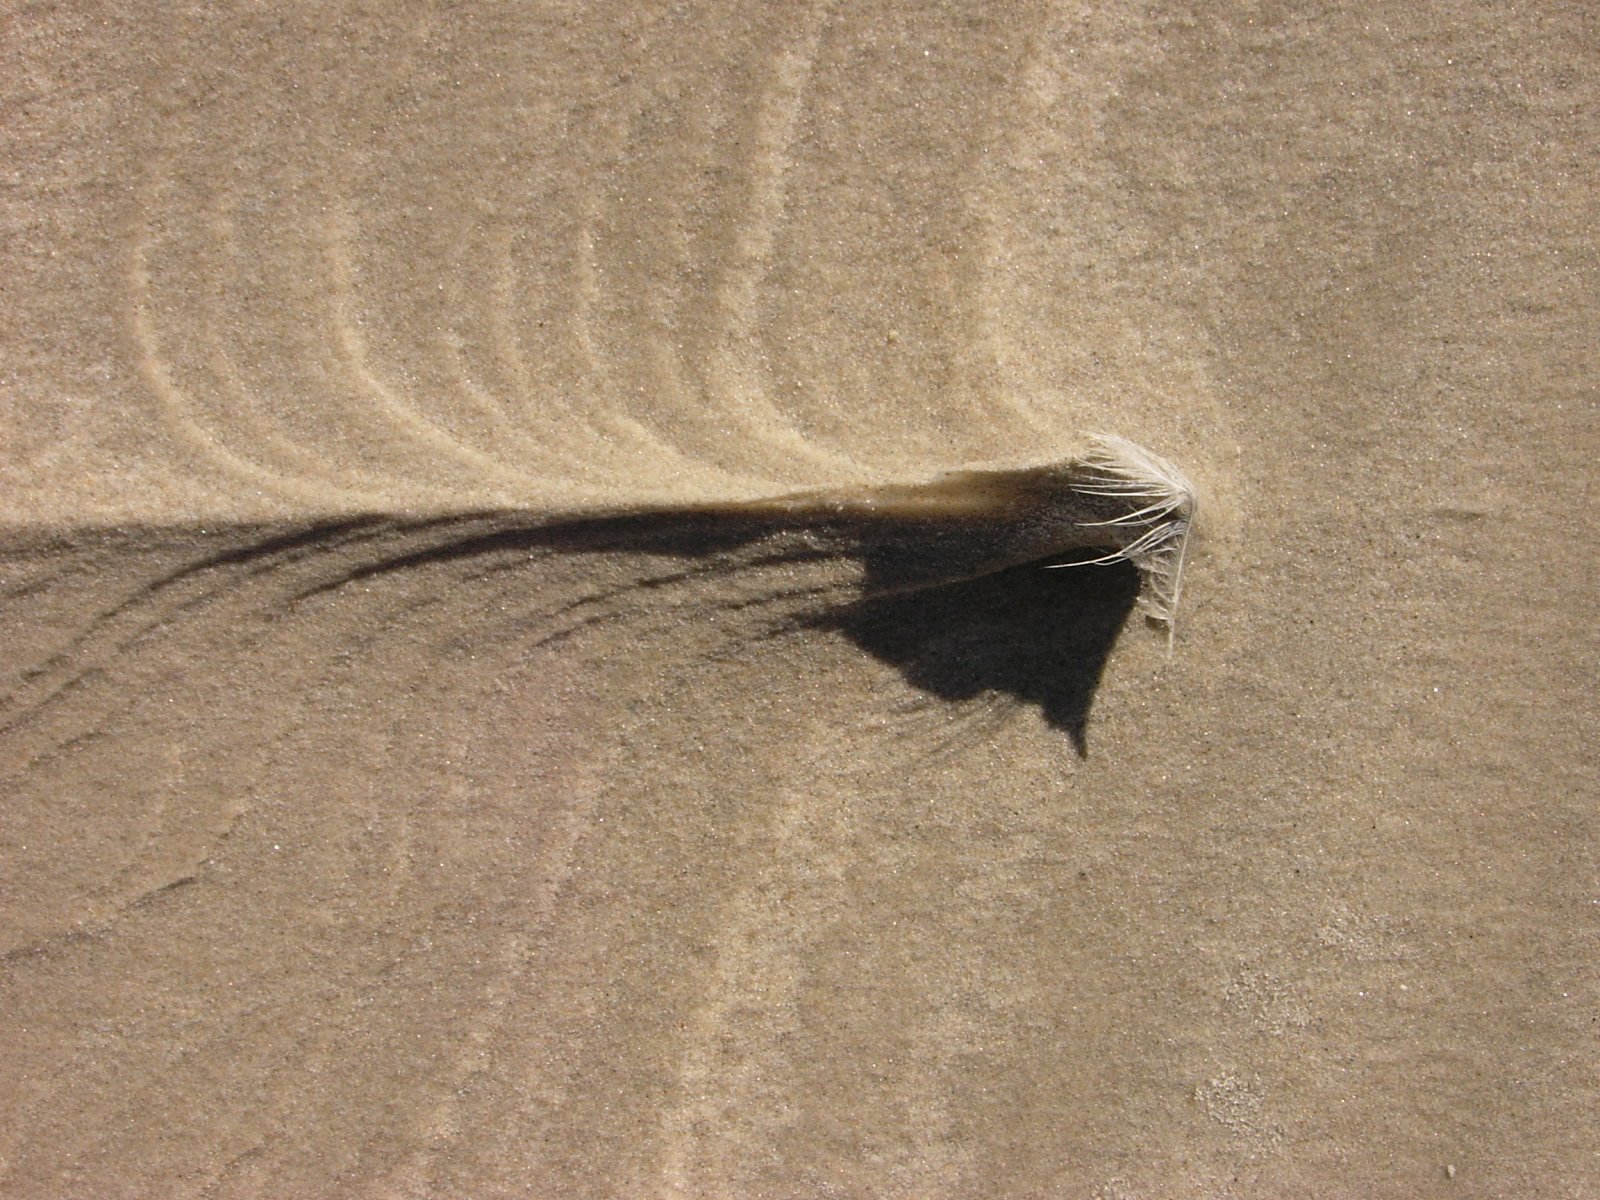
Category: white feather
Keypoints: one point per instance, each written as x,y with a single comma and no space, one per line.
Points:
1154,533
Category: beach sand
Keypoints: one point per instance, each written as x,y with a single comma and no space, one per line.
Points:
429,768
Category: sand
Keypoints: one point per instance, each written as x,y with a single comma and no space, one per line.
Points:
422,777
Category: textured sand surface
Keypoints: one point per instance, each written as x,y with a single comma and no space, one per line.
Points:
382,813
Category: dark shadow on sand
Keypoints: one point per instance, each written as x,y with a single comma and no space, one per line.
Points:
958,607
931,604
1041,636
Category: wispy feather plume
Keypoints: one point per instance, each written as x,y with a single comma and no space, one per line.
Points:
1154,532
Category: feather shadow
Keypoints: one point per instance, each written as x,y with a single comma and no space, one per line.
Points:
930,599
1042,637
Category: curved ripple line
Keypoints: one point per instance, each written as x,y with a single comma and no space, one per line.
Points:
777,121
179,413
355,484
353,348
